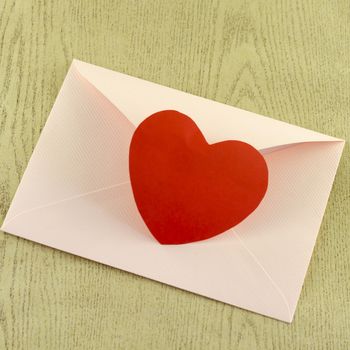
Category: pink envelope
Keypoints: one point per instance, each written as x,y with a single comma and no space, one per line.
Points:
75,194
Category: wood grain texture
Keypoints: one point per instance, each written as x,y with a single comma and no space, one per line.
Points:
286,59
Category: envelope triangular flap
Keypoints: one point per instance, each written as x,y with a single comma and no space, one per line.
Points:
281,232
83,147
138,99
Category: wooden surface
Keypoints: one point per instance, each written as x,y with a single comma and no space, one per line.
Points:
286,59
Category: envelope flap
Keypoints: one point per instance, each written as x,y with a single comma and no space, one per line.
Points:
105,227
83,148
138,99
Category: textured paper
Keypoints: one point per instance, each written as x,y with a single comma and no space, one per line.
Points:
75,194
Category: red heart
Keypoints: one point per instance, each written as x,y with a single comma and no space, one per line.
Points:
186,189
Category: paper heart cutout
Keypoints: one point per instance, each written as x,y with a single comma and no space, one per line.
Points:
187,190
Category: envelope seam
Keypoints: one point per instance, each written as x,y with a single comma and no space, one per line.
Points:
6,222
282,147
274,284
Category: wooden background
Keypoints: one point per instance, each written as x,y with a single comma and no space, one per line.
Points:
285,59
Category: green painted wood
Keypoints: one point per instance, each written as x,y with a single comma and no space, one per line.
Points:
285,59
